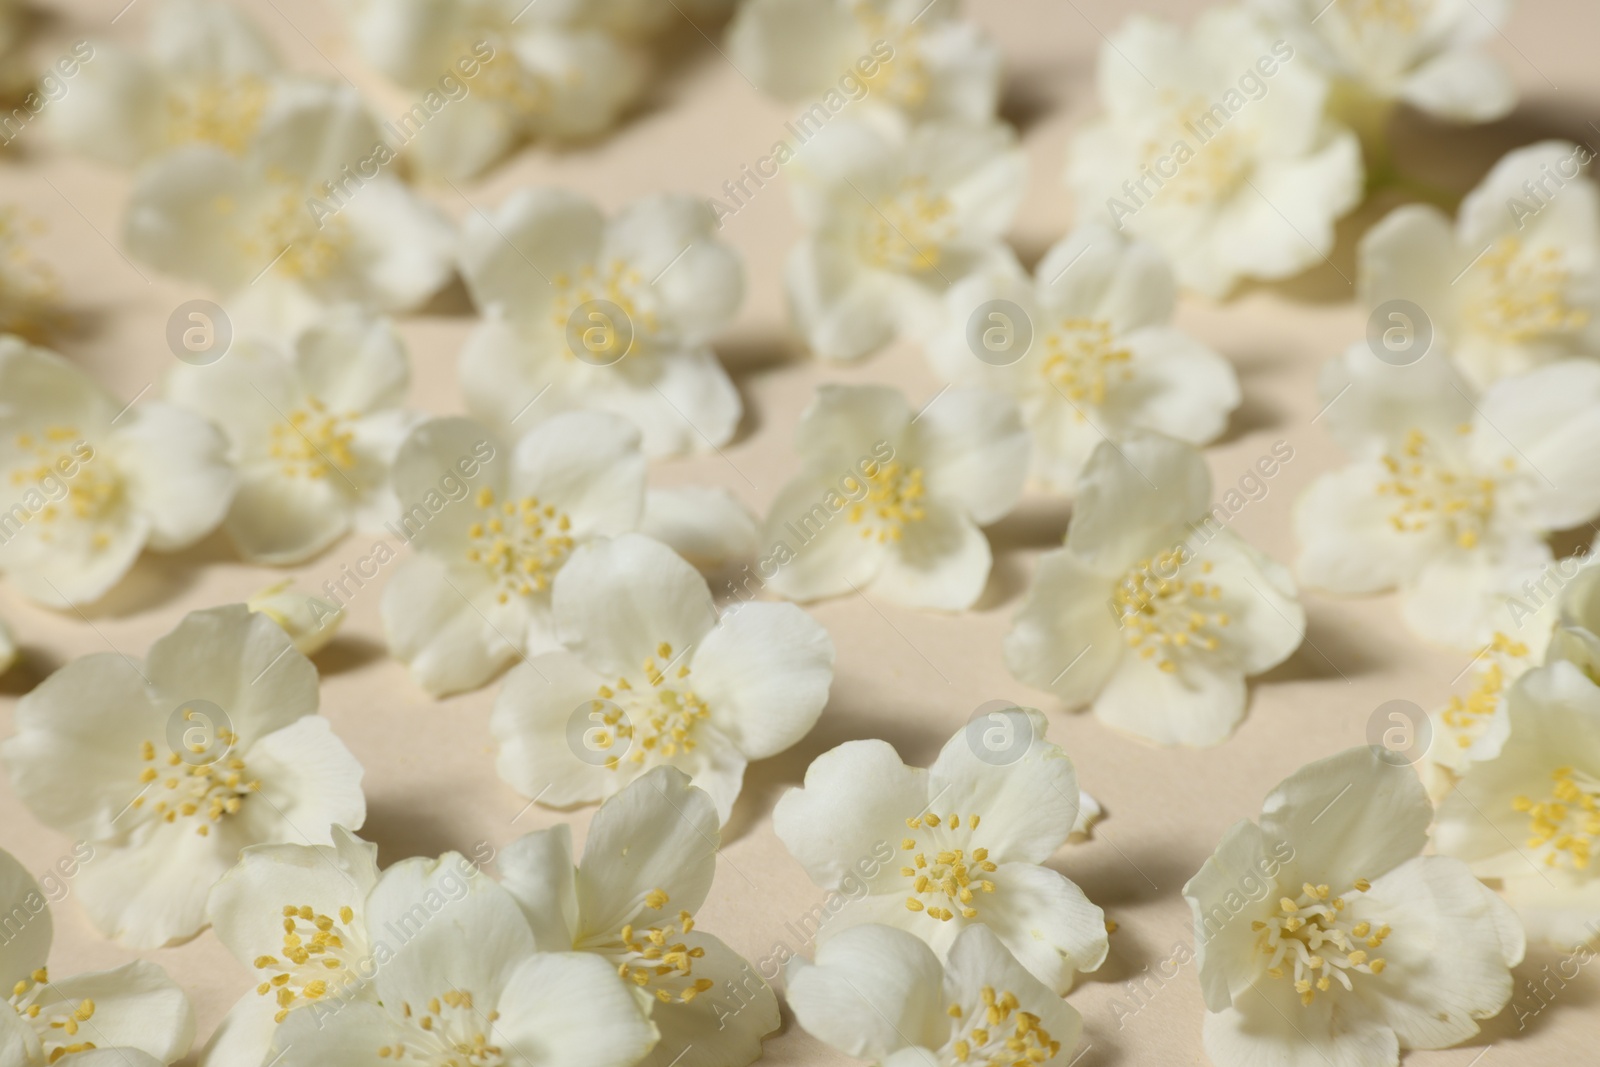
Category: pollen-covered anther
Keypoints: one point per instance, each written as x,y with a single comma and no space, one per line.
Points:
996,1032
1565,825
1433,493
1165,614
521,543
1313,942
894,500
946,873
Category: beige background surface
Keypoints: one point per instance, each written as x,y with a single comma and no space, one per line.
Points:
909,677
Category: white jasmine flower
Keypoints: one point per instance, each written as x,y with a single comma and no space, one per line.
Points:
89,482
492,525
465,984
1214,146
310,621
582,312
911,55
296,915
894,215
170,766
546,71
1360,946
1449,496
649,675
1153,614
960,844
890,501
208,75
1527,817
648,863
1101,358
268,228
1427,53
312,432
881,994
134,1009
1515,283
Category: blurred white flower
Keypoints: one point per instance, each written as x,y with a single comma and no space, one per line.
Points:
1473,726
1427,53
170,766
296,915
135,1014
208,75
1093,355
548,70
296,223
891,501
310,621
915,56
1153,613
466,985
312,432
1358,946
894,215
649,675
960,844
1214,146
1449,495
1515,283
613,315
881,994
89,483
648,863
492,525
29,289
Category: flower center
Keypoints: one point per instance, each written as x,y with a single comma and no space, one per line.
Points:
1219,158
1566,823
503,79
1312,939
1466,716
1082,360
1162,614
91,495
905,231
1433,494
943,873
650,958
604,341
903,78
286,237
1521,296
222,111
997,1033
313,442
59,1024
313,946
204,792
655,721
520,543
893,501
450,1033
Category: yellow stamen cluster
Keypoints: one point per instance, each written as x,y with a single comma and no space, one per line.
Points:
501,78
894,499
285,235
1164,614
1082,360
51,1027
906,230
206,792
1313,942
1467,715
93,494
943,872
220,111
659,719
312,946
314,442
997,1033
903,78
451,1034
1431,494
618,283
1521,296
649,957
1568,822
521,543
